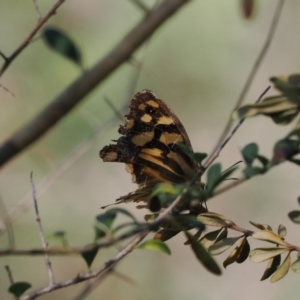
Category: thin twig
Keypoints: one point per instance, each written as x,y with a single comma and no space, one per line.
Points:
9,274
110,263
3,55
42,236
27,40
234,130
250,78
7,90
75,93
91,286
37,10
217,152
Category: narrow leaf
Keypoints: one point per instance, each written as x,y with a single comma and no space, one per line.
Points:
208,239
155,245
196,236
295,216
261,226
272,266
214,219
281,231
262,254
282,270
199,157
213,175
19,288
232,257
203,256
268,236
222,245
296,266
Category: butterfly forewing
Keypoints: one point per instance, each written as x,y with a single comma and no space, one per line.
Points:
148,146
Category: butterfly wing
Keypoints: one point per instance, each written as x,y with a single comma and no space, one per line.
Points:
148,146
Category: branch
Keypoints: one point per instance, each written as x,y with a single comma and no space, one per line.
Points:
72,95
42,236
248,83
8,60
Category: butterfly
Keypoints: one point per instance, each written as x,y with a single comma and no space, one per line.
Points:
149,146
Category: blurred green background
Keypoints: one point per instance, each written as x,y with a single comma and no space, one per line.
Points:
197,62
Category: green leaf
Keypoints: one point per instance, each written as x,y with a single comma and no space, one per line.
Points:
223,235
196,236
89,256
214,219
296,266
202,255
272,266
249,153
263,160
268,236
252,171
199,157
155,245
209,238
222,245
285,149
282,231
295,216
99,233
261,254
18,288
282,270
261,226
213,175
279,108
60,42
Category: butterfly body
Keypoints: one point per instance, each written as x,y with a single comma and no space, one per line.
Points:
149,146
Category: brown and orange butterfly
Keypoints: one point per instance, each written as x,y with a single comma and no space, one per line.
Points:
149,146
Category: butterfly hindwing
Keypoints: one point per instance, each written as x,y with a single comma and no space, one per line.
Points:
148,146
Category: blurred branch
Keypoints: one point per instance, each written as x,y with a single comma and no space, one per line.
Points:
9,274
249,80
42,236
72,95
37,9
78,151
214,155
9,59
